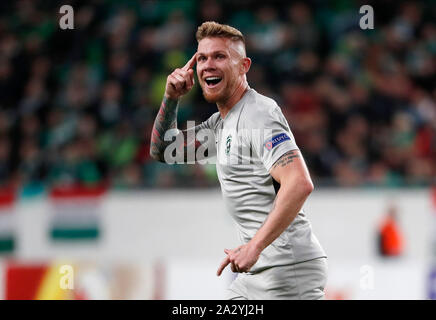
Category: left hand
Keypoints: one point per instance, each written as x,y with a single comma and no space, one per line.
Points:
241,258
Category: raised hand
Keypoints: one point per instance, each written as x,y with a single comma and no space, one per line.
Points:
181,81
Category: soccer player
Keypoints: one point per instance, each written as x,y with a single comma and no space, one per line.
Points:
280,257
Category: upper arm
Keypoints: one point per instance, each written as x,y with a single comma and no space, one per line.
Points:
290,168
274,139
279,152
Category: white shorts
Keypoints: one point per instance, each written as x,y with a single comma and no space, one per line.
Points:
300,281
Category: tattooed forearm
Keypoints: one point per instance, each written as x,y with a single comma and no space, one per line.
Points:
166,119
285,159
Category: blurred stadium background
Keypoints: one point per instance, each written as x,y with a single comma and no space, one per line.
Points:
78,187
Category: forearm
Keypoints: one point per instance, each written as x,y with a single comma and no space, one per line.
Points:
287,205
166,119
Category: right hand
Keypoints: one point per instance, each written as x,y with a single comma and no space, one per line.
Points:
181,81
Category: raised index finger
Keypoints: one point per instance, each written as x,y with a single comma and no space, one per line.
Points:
190,63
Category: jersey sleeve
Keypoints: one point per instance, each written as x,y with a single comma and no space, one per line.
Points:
204,137
274,137
210,123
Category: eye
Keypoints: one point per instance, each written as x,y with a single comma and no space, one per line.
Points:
221,56
201,58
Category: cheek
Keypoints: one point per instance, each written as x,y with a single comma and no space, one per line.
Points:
234,73
236,69
231,71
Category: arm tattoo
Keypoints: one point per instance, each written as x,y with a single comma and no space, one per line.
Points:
285,159
166,119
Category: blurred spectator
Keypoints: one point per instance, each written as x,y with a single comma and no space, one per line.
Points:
74,166
110,108
391,242
32,168
210,10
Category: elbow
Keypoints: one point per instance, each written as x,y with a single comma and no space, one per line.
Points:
155,154
301,186
309,187
306,187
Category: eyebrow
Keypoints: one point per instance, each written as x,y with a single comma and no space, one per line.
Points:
212,53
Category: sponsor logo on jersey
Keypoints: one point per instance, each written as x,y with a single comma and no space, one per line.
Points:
276,140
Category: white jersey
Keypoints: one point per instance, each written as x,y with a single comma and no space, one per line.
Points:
249,140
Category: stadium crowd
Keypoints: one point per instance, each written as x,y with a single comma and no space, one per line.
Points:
77,106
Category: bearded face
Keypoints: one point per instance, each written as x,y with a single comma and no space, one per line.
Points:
218,68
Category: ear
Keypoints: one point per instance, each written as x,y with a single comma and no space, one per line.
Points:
245,65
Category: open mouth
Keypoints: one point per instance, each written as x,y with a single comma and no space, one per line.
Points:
212,81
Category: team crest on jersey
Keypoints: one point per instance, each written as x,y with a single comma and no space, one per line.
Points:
276,140
228,144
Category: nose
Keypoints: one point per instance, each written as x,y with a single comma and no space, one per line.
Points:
209,64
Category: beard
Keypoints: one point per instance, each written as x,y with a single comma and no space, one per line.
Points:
213,97
217,96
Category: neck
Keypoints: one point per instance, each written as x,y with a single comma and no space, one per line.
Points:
226,106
